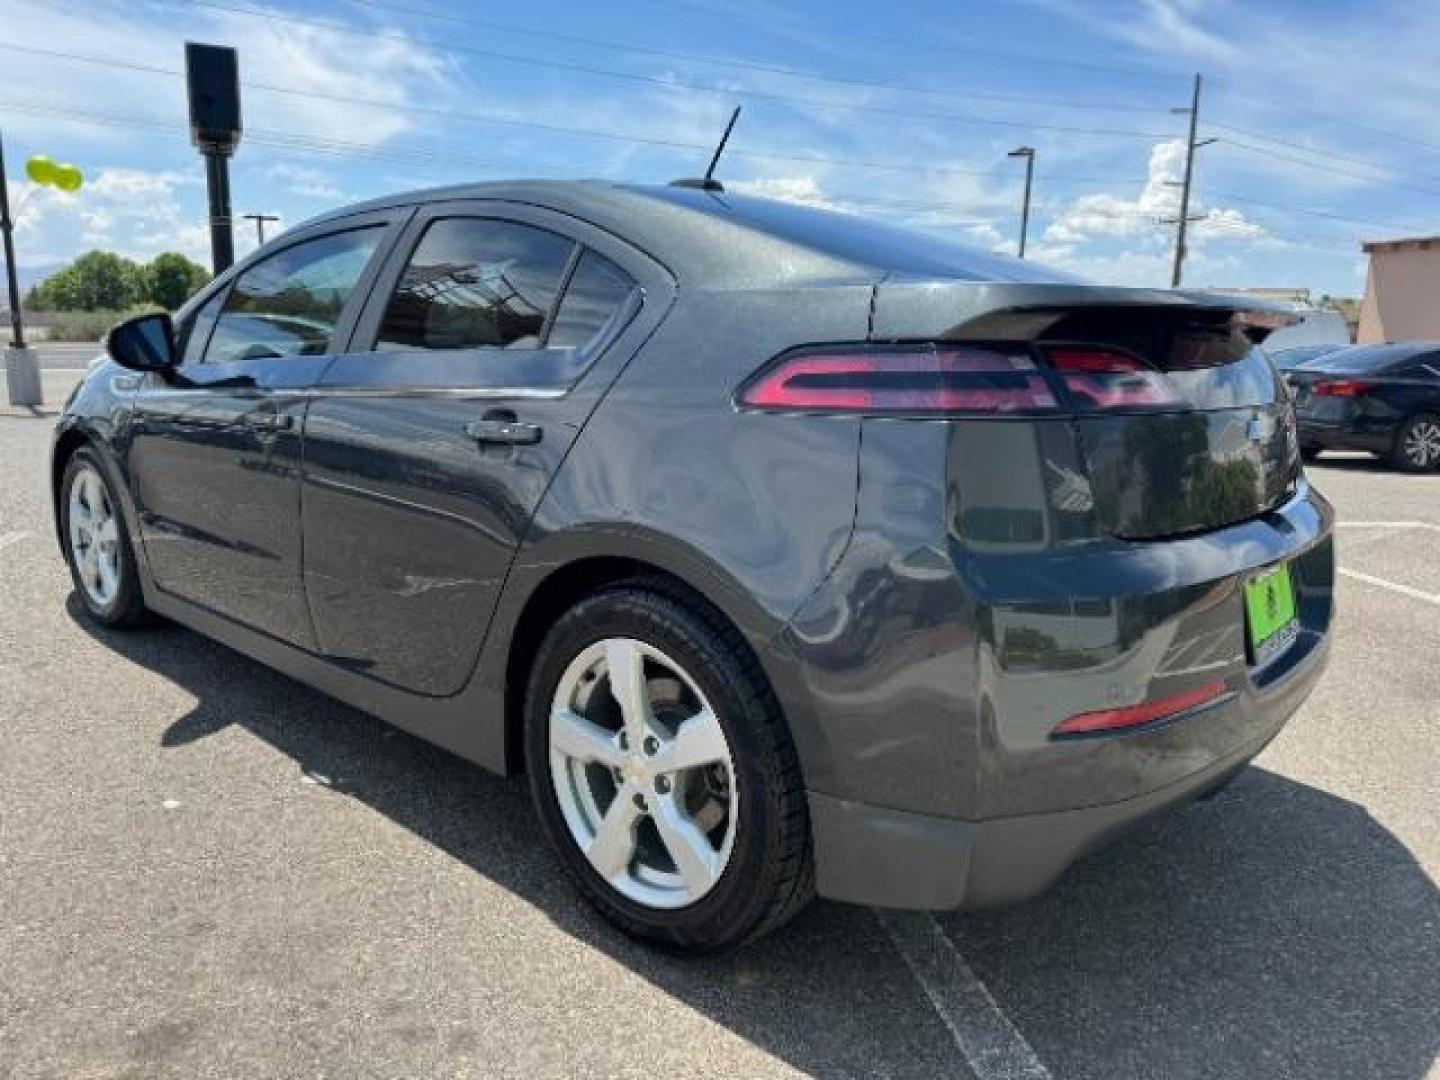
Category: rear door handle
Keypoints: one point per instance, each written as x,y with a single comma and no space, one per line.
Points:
503,429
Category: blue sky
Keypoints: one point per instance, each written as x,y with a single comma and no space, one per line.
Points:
1323,111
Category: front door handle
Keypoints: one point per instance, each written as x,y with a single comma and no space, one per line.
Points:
502,427
265,420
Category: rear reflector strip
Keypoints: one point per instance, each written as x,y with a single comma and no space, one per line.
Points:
1339,388
1093,723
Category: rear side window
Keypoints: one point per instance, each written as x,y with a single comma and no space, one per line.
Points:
475,283
289,304
598,292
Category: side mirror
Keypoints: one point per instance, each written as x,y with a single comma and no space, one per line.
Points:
144,343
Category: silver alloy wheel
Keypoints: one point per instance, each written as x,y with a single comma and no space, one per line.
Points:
1422,444
94,536
643,773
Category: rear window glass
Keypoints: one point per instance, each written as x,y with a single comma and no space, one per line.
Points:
1364,360
863,241
596,295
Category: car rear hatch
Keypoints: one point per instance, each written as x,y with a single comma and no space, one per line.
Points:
1180,422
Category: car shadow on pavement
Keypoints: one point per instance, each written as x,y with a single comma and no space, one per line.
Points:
1364,463
1276,930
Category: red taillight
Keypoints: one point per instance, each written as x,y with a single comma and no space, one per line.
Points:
902,380
1104,379
1339,387
1146,712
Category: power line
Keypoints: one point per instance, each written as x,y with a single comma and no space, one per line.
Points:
1265,151
294,142
1331,118
1369,163
688,57
951,48
675,82
486,118
1307,211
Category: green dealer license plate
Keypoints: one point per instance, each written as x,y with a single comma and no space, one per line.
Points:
1270,613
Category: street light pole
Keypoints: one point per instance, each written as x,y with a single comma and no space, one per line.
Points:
1028,153
22,366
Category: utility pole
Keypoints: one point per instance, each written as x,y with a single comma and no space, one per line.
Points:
260,220
1028,153
22,366
1184,219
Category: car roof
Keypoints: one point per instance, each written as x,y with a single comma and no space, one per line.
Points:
722,239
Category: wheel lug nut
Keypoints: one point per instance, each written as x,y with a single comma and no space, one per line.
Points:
662,785
624,741
639,802
652,745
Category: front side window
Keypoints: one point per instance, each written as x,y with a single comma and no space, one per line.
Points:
475,283
594,298
290,303
198,332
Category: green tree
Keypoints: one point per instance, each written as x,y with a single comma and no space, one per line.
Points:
96,281
170,278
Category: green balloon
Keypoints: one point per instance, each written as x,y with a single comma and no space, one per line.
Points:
40,169
67,178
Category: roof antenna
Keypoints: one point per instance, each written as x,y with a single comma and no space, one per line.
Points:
708,181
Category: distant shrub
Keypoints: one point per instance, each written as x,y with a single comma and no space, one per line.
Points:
89,325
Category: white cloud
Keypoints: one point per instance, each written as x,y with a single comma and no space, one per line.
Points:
804,190
306,181
135,212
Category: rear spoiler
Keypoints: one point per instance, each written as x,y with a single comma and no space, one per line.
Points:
1024,311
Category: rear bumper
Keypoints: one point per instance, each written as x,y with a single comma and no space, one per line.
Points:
889,858
1345,436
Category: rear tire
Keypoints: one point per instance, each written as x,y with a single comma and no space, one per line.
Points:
739,824
1417,444
97,545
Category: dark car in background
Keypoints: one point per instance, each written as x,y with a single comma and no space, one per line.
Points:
786,552
1300,355
1380,398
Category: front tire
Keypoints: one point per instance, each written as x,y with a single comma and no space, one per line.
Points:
97,544
663,771
1417,444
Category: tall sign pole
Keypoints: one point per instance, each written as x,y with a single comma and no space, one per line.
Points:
212,76
1183,220
22,366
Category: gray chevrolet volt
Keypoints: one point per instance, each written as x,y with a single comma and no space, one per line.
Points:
786,553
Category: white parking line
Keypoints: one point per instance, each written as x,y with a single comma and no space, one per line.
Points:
1389,525
1403,590
990,1043
6,539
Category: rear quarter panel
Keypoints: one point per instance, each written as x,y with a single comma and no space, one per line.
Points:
751,509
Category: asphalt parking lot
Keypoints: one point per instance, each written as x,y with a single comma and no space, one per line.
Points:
207,869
